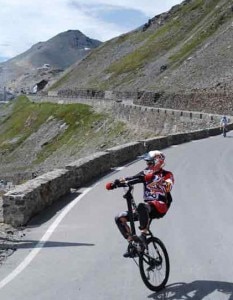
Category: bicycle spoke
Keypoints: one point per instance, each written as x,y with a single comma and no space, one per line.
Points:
154,265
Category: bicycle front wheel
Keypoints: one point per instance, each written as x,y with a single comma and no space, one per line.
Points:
154,265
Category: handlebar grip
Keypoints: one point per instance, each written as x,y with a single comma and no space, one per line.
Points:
114,185
109,186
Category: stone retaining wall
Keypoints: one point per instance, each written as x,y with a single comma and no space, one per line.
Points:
162,120
220,102
205,101
28,199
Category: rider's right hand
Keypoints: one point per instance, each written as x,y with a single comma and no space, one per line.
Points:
112,185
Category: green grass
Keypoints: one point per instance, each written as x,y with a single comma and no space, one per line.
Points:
59,82
84,127
182,33
164,39
27,117
155,44
208,28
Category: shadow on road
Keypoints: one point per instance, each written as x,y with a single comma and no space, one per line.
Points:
39,219
28,244
196,290
13,241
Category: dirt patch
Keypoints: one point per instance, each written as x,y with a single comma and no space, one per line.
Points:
9,240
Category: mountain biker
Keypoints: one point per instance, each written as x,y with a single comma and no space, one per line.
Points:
157,198
223,122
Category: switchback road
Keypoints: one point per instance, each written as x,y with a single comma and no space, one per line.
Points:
74,251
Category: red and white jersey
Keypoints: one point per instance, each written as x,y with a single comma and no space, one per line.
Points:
156,188
159,185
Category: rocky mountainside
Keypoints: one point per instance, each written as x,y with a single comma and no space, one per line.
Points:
45,60
37,138
187,48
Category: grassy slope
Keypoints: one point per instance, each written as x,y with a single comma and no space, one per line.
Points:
27,117
86,131
183,32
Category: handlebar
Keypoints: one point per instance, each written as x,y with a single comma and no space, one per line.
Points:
117,183
127,183
128,187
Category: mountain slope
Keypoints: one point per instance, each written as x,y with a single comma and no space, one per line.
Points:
40,137
60,51
46,58
188,47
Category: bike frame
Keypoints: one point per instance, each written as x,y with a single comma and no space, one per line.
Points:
130,205
130,201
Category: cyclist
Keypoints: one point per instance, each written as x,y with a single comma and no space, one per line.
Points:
156,195
223,122
223,125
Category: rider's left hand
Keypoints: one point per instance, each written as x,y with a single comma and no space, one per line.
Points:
168,186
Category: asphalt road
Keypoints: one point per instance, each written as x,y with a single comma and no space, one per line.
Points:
74,251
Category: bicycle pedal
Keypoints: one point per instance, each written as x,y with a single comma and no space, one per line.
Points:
131,252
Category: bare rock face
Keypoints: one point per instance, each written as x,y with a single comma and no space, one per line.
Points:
188,48
45,60
9,240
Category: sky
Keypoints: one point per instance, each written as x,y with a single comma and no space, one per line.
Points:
24,23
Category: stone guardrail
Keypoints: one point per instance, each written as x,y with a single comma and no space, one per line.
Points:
221,100
28,199
124,104
146,117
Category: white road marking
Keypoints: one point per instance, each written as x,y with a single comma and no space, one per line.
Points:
118,169
42,242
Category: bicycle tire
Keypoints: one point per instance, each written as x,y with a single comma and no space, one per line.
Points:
153,259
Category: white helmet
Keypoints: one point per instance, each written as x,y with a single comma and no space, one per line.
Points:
155,160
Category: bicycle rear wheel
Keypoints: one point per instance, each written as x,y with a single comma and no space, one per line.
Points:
154,265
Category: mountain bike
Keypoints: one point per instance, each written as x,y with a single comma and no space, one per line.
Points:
153,259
